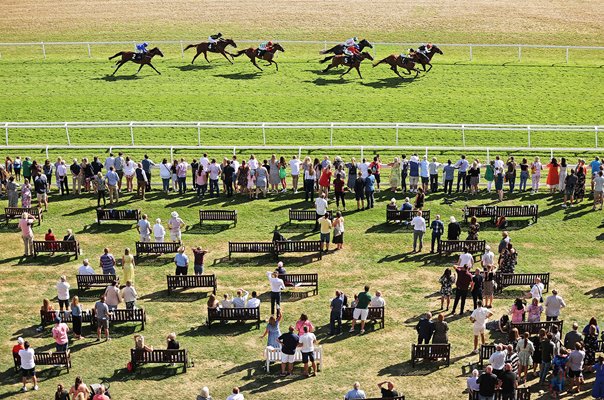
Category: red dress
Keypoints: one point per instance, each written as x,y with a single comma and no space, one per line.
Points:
553,175
325,178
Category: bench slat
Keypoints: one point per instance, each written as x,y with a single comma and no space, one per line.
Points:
233,314
156,248
398,215
191,281
163,356
117,215
504,280
534,327
56,246
16,212
429,351
218,215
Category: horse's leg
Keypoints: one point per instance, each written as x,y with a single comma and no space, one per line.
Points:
194,58
118,67
276,65
341,75
205,55
253,60
225,56
358,71
151,65
417,71
428,68
330,66
395,69
139,68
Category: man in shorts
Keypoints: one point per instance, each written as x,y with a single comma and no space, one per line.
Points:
307,342
325,223
361,311
289,341
102,318
41,186
144,229
28,366
598,185
479,317
175,224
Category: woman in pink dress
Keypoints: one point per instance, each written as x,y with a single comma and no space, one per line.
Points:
26,194
534,311
553,176
517,311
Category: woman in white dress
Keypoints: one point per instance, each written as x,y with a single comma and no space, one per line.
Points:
562,178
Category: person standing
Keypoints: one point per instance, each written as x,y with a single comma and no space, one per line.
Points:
404,172
479,318
112,184
63,293
425,329
525,349
453,229
128,266
464,280
113,297
141,181
508,383
102,318
59,334
182,262
335,316
129,295
277,285
198,254
144,229
438,228
548,351
107,262
369,188
359,190
294,166
448,176
487,383
175,224
536,168
497,360
76,317
553,304
477,287
361,310
159,232
289,341
28,366
27,234
574,367
462,165
61,172
320,209
307,343
338,231
325,232
419,229
147,165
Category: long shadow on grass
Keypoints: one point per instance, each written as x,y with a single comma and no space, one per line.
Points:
597,293
192,67
287,296
406,369
231,328
327,82
208,228
300,205
177,296
392,82
106,227
577,211
117,78
240,75
146,372
263,260
389,228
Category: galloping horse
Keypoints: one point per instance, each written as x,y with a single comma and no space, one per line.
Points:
425,58
343,60
399,61
252,53
339,49
219,47
131,56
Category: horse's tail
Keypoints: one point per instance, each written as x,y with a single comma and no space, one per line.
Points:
240,52
328,50
189,46
117,55
381,61
326,59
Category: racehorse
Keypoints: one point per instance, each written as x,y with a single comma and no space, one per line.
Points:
425,58
218,47
344,60
396,61
143,59
252,53
339,49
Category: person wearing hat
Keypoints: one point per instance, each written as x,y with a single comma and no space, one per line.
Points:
59,333
175,224
213,39
18,346
182,261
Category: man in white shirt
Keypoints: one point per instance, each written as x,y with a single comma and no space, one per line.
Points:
85,268
236,395
254,302
144,229
553,304
321,209
241,300
226,302
364,167
129,295
63,293
466,258
488,259
109,162
204,162
307,342
277,285
159,232
377,300
355,393
479,317
294,165
28,366
62,179
419,228
536,290
463,166
497,360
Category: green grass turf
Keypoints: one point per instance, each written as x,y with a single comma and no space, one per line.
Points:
565,243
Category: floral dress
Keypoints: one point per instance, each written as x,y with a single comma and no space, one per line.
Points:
446,285
525,351
242,176
534,313
473,231
395,175
26,196
508,262
580,189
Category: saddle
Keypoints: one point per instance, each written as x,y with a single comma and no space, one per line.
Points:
138,56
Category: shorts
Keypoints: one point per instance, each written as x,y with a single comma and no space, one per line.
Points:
306,357
175,236
198,269
145,238
574,374
288,358
425,179
377,178
570,190
102,323
325,237
41,197
28,373
413,180
360,314
359,196
120,174
64,304
479,330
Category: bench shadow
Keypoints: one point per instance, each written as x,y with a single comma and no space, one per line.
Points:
597,293
106,227
155,260
389,228
147,372
287,296
206,228
231,328
406,369
177,296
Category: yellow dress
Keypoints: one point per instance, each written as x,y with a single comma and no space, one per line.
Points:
128,268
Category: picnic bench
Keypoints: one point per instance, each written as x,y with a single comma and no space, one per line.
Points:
534,327
251,247
48,317
56,246
485,352
457,246
56,359
301,280
164,356
217,215
494,212
305,215
191,281
85,282
233,314
430,352
16,212
117,215
375,314
272,355
505,280
156,248
299,246
521,394
407,215
123,315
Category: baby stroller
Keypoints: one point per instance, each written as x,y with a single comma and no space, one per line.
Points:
96,386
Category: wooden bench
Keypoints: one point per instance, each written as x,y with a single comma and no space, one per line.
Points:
85,282
119,316
156,248
457,246
48,317
16,212
534,327
117,215
191,281
233,314
272,355
56,359
430,352
398,215
375,314
485,352
305,215
301,280
521,394
251,247
140,357
494,212
505,280
299,246
56,246
217,215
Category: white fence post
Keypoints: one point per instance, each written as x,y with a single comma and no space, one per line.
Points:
44,50
132,133
361,153
171,153
519,53
471,55
567,55
67,133
528,129
596,128
47,152
426,152
6,132
331,135
182,51
199,133
551,153
89,51
397,134
463,135
488,156
234,150
263,133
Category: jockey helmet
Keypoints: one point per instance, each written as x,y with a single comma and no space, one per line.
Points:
356,39
411,50
145,44
270,43
219,34
429,46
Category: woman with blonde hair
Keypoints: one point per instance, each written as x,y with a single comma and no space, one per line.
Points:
204,394
128,265
536,168
139,343
273,330
76,317
395,174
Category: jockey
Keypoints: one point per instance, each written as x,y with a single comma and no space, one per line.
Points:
425,48
141,50
409,54
264,47
213,39
352,42
353,52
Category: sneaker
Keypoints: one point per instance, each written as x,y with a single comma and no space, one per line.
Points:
295,192
24,389
475,351
351,330
564,206
362,331
36,387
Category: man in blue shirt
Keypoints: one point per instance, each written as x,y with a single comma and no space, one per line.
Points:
369,188
438,228
424,173
355,393
112,182
182,262
462,165
407,206
449,174
413,173
595,168
336,314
